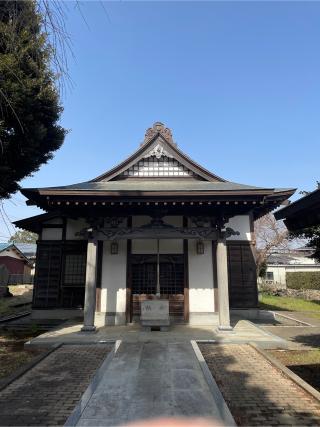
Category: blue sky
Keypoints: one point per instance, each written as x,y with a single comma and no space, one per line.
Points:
237,82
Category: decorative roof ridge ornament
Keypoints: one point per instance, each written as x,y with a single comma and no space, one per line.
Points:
158,151
158,128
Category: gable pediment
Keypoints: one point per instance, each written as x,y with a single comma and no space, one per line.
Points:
158,157
158,163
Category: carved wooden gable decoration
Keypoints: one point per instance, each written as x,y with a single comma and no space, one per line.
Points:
158,157
157,163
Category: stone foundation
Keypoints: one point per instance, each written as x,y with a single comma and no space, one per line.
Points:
307,294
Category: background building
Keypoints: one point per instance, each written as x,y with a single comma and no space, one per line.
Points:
19,259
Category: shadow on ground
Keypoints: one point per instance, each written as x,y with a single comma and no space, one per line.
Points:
308,339
309,373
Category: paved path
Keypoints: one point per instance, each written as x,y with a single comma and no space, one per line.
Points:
47,393
299,337
305,316
147,380
256,392
244,332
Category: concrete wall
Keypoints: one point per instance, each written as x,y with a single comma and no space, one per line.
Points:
113,285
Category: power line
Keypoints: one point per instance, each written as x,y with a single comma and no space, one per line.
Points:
6,215
4,221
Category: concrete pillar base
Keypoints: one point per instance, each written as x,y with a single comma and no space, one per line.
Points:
88,329
224,330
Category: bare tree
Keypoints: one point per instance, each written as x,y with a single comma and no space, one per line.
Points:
270,235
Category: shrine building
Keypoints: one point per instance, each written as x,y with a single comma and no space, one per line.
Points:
158,225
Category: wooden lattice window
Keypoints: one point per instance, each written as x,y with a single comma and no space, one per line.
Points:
157,167
144,274
171,274
74,269
47,279
74,277
60,274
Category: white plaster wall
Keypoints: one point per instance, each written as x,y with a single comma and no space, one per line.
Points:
144,246
113,280
11,253
240,223
171,246
51,234
279,274
73,227
201,296
149,246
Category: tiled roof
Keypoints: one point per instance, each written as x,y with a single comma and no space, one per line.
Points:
4,246
157,185
27,249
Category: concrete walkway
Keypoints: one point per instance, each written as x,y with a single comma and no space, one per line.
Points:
298,337
244,332
150,379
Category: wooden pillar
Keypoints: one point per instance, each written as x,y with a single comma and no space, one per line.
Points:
222,278
90,290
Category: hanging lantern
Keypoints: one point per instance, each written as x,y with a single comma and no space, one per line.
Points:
200,247
114,248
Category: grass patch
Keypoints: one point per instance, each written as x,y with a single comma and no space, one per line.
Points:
12,353
12,359
304,363
297,357
271,302
7,305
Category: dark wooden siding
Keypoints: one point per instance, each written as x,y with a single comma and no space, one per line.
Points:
14,265
242,275
47,276
49,291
